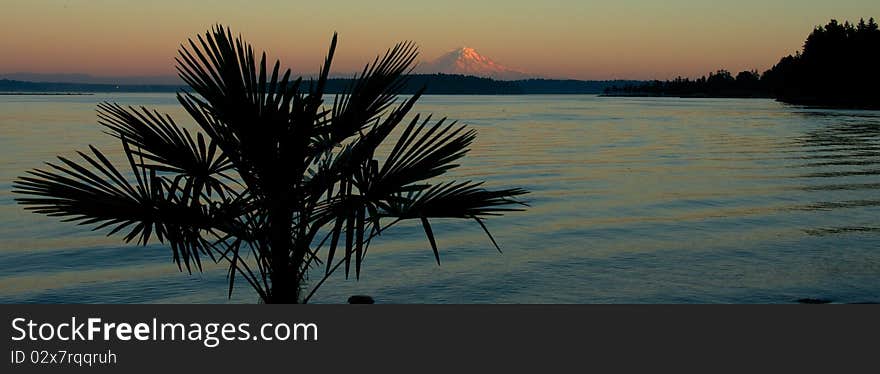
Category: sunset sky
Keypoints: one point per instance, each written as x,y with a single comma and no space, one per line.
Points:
636,39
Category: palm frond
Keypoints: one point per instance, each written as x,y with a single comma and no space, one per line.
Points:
455,200
246,109
169,147
422,152
101,196
370,93
353,157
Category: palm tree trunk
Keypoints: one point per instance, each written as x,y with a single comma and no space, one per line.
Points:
285,287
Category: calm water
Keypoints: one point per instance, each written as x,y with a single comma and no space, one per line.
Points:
634,201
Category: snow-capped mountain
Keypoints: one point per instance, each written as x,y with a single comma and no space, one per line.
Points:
467,61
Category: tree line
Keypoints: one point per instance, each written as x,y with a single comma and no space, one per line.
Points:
838,66
717,84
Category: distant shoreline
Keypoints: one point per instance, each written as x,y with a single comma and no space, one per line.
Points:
690,96
46,93
435,84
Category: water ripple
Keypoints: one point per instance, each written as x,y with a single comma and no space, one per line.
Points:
634,200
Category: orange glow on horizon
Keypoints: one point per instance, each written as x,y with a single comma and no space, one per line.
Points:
626,39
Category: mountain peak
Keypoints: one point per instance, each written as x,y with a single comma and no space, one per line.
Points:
467,61
466,51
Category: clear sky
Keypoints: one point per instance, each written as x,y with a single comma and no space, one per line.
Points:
582,39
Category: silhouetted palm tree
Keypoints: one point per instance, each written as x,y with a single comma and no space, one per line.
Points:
275,184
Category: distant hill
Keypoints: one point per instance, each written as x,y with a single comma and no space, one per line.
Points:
437,84
13,86
147,80
569,86
444,84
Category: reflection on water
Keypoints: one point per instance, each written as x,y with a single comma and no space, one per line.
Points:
852,141
634,200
